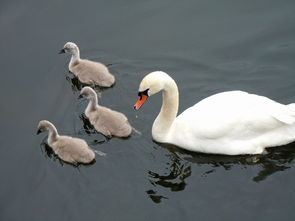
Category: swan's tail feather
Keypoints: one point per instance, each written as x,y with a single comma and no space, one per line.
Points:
99,153
284,118
286,114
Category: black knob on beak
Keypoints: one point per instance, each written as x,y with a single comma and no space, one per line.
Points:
39,131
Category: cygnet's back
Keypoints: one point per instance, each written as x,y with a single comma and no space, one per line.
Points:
69,149
105,120
73,150
92,73
109,122
88,72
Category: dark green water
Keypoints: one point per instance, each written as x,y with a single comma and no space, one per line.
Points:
206,46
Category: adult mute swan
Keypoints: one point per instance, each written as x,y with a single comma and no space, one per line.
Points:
69,149
231,123
88,72
106,121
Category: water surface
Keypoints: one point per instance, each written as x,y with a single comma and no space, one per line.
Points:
206,46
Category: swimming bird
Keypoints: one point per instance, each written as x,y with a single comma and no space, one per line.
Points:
69,149
106,121
230,123
88,72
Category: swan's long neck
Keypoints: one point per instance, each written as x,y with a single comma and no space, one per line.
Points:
92,103
53,134
75,57
168,111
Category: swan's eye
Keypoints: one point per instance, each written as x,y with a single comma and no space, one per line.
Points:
145,92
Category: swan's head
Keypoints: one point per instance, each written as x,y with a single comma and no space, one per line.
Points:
43,126
70,48
87,92
151,84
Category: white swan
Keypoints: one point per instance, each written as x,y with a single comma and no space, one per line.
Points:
88,72
106,121
69,149
230,123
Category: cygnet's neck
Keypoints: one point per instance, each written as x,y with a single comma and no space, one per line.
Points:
75,56
92,105
168,111
53,134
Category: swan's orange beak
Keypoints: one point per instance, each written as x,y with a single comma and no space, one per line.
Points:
141,99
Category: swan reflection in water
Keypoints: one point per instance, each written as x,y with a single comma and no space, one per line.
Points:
181,161
173,180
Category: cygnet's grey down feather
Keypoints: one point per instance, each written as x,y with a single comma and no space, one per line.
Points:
106,121
69,149
88,72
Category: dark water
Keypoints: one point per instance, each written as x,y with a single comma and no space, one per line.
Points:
206,46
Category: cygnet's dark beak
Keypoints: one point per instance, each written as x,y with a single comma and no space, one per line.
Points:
39,131
80,96
62,51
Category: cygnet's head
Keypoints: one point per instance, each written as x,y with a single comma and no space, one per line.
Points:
43,126
70,48
151,84
87,92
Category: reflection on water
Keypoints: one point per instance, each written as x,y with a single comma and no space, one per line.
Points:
277,159
174,179
155,197
88,128
181,161
75,83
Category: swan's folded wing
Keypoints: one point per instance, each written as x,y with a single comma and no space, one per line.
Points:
235,114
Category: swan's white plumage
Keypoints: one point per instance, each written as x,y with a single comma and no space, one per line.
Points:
70,149
231,123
